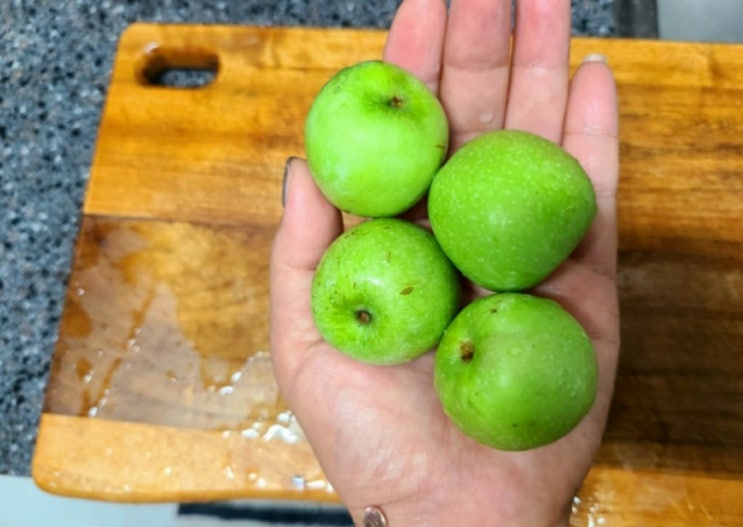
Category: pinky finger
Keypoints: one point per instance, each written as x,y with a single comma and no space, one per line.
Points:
591,135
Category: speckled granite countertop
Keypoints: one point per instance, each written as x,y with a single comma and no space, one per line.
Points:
55,61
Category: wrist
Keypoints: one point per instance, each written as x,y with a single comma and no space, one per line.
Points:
463,512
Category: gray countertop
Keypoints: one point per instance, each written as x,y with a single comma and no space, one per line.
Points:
55,62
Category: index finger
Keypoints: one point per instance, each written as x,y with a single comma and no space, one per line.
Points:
416,39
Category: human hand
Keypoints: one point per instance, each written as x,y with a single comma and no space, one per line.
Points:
380,433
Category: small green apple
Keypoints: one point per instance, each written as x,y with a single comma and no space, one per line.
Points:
508,207
375,135
514,371
384,292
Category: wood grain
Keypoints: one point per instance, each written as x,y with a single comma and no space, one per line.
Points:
160,325
134,462
161,387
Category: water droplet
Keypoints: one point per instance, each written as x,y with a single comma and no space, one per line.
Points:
316,484
249,433
298,482
282,433
132,345
84,370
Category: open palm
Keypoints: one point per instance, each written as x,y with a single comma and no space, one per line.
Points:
380,433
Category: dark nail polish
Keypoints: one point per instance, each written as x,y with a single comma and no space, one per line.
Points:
374,517
285,183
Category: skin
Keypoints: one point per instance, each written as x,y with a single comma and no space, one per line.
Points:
380,433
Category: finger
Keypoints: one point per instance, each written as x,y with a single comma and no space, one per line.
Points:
416,39
539,68
474,78
591,135
309,225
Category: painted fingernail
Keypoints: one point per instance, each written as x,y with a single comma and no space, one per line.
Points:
285,182
374,517
594,57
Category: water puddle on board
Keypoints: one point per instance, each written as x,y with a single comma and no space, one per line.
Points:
166,323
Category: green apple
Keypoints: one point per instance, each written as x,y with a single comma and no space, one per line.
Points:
515,371
508,207
384,292
375,135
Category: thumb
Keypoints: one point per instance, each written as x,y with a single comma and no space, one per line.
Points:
309,225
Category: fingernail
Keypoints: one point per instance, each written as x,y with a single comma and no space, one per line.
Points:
594,57
374,517
285,182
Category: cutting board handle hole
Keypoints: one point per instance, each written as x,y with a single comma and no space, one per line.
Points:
187,68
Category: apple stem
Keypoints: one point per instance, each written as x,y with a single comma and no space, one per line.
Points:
363,316
466,351
396,101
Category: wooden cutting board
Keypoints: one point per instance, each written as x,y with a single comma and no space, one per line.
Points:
161,387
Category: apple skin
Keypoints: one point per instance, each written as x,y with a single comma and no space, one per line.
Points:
508,207
384,292
515,371
375,136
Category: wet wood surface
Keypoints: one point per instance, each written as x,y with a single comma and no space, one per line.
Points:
161,387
